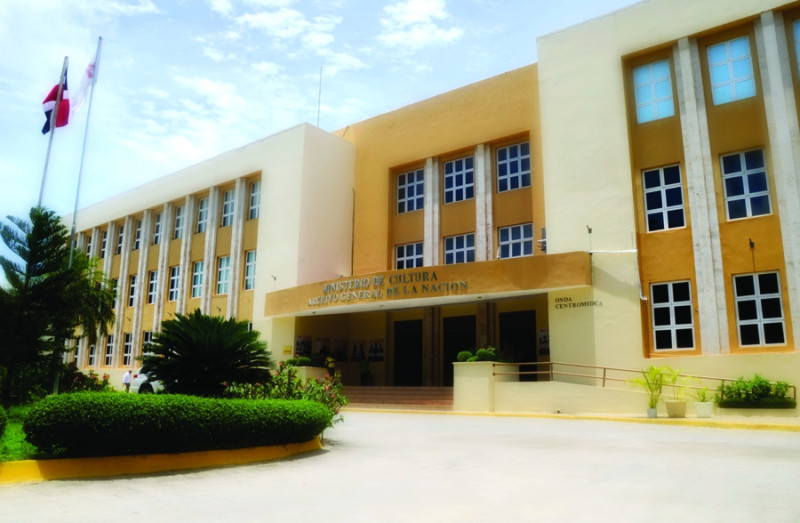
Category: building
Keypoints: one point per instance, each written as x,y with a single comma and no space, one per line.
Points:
632,196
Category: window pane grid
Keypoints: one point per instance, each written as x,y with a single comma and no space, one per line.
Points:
672,315
120,239
202,215
459,249
515,241
731,71
410,191
152,283
250,270
174,282
223,274
663,198
137,237
652,86
132,291
459,180
744,178
408,256
227,209
157,230
513,167
127,350
197,279
109,355
177,231
255,200
759,309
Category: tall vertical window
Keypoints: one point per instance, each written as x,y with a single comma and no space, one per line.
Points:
103,243
408,256
459,249
147,337
744,176
202,215
137,236
132,290
514,167
91,356
127,349
152,286
255,200
249,270
759,309
109,355
157,229
673,321
115,288
652,91
410,191
120,239
89,243
174,282
731,71
459,181
197,279
515,241
177,230
223,274
227,209
663,198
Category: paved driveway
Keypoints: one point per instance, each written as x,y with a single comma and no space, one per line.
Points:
431,467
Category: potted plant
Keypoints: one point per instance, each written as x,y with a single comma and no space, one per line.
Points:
703,403
652,381
676,404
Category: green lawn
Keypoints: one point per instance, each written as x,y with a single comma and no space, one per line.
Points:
13,446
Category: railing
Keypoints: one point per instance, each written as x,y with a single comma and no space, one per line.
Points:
602,374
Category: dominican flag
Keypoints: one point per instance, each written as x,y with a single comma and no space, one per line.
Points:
49,104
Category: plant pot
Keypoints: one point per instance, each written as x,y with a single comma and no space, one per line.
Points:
704,409
652,412
676,408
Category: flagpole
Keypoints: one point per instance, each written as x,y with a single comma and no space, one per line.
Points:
53,120
83,148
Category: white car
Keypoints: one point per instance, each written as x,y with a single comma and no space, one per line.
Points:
141,384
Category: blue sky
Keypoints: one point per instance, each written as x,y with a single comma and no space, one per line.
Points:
184,80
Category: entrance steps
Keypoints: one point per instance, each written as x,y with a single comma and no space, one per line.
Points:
416,398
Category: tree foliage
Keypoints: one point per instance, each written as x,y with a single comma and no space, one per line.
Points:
197,354
49,299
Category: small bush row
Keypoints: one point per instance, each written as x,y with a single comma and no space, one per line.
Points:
3,421
106,424
483,354
755,393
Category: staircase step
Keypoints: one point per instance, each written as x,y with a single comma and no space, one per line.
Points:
427,398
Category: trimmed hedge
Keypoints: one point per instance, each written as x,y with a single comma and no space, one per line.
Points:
3,420
108,424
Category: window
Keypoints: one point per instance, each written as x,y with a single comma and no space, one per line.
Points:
197,279
174,282
408,256
744,176
103,244
147,337
152,286
515,241
127,350
513,167
120,239
114,287
157,229
663,198
759,309
137,236
731,71
202,215
109,356
89,244
459,249
249,270
652,90
410,191
458,180
672,315
255,200
132,291
177,231
223,274
227,209
91,356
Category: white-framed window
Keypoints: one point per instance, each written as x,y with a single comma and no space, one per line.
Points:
513,167
731,71
137,236
127,349
759,309
89,243
744,176
663,198
410,191
255,200
223,274
197,279
515,241
652,91
103,243
120,239
202,215
152,286
459,249
157,229
177,230
459,180
227,209
250,270
91,356
408,256
147,337
115,288
109,355
132,290
174,282
673,320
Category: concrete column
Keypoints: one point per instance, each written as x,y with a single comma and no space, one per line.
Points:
430,246
484,239
143,278
210,250
186,255
162,265
124,280
237,236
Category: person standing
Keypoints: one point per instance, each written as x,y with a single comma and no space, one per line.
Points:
126,381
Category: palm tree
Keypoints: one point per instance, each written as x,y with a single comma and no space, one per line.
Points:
197,354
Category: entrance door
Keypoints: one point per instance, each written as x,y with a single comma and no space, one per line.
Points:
518,339
459,334
408,353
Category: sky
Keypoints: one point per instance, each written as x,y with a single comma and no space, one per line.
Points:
181,81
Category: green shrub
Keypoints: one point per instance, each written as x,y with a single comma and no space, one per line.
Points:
299,361
464,355
3,420
755,393
92,424
483,354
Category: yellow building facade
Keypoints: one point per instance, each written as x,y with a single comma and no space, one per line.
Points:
631,196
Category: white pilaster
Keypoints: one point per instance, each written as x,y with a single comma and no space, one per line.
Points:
430,245
210,250
184,292
237,233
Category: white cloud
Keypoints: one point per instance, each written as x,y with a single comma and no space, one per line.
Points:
267,68
223,7
336,62
283,23
412,24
